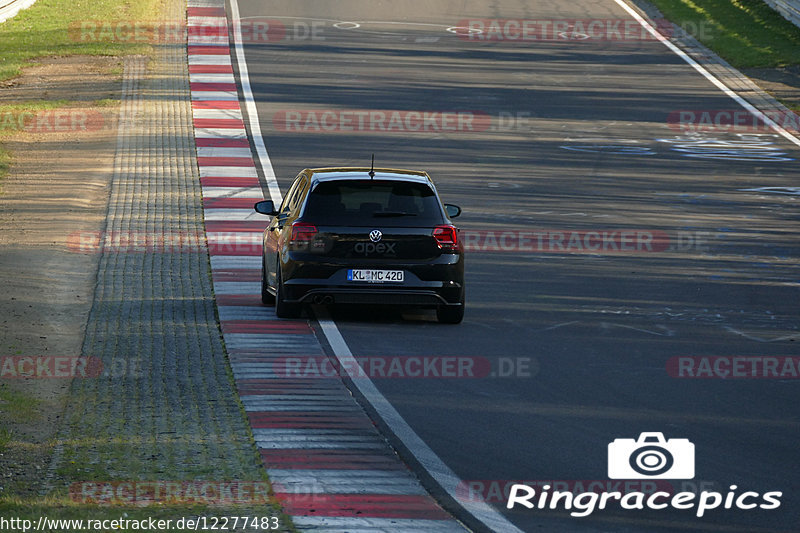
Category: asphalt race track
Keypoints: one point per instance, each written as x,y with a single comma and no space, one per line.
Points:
553,149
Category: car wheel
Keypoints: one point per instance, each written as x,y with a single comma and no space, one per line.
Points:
267,298
450,314
283,309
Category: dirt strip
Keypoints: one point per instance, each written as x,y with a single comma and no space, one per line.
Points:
58,185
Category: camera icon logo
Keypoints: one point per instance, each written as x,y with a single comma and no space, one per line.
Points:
651,457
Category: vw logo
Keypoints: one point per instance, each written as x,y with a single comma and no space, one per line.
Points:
375,235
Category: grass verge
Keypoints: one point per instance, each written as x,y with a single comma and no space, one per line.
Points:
793,107
746,33
5,162
18,405
15,405
54,28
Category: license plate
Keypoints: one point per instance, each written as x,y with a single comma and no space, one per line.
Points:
375,276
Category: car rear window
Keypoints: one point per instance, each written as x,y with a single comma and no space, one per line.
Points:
362,202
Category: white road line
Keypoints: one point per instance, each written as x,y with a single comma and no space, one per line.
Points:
435,467
706,74
759,339
252,112
431,462
10,9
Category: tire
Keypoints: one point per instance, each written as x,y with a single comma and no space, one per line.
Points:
267,298
450,314
283,309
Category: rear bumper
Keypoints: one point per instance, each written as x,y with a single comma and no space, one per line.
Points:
446,290
405,297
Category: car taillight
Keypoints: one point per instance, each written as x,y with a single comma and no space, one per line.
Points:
302,234
447,238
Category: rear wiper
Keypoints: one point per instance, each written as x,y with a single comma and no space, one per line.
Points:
393,214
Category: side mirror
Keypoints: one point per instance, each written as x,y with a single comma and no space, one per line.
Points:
265,207
452,210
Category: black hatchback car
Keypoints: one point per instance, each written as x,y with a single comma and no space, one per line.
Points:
362,236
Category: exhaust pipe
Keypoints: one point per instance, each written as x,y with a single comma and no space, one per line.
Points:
327,300
317,299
